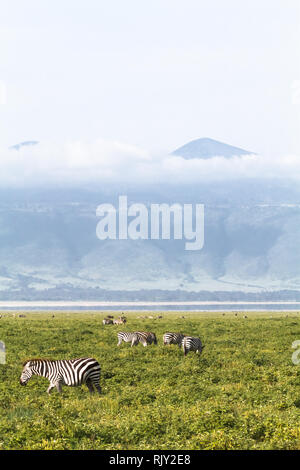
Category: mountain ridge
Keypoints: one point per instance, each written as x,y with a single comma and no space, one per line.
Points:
205,148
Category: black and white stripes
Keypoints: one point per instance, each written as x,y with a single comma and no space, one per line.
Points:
191,343
137,337
188,343
173,338
126,337
71,372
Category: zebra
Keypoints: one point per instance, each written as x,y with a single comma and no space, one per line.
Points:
137,337
107,321
173,338
119,321
71,372
126,337
190,343
146,338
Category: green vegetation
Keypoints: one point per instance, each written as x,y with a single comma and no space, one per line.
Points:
241,393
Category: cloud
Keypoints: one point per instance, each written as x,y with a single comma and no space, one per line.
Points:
76,163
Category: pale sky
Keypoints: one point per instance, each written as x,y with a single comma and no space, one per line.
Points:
152,74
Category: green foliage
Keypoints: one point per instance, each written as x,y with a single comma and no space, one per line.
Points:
241,393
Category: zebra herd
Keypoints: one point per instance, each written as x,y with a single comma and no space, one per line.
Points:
109,320
87,370
188,343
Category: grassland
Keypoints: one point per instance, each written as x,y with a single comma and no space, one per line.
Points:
241,393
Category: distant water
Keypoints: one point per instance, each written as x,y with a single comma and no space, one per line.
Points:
151,306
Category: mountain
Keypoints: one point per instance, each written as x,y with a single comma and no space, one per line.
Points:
208,148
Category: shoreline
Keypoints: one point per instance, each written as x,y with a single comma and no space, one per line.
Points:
192,306
78,303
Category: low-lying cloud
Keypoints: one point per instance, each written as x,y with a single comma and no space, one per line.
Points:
82,163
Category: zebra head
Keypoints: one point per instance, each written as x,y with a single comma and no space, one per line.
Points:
26,373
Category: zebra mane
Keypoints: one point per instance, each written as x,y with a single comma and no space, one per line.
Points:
37,359
47,359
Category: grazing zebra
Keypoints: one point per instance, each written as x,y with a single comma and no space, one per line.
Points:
119,321
71,372
190,343
173,338
137,337
107,321
146,338
126,337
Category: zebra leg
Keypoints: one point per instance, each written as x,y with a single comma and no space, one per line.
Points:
119,342
51,386
98,388
90,386
58,387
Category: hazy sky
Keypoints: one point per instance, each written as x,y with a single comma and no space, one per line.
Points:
153,74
